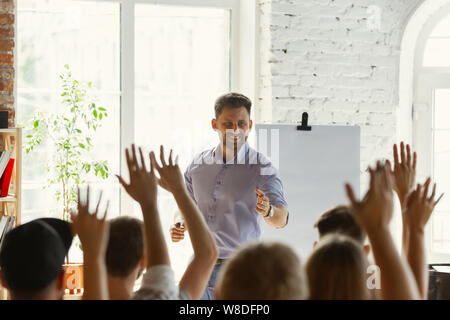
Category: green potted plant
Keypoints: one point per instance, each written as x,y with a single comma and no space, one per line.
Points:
70,134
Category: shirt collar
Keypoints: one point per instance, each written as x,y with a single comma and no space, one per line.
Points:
240,155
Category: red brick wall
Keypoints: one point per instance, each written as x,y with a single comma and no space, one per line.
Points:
7,57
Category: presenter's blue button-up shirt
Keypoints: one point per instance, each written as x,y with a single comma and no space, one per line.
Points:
225,193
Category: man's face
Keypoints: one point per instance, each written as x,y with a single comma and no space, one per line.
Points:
233,126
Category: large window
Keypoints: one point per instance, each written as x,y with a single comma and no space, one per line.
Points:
431,126
86,36
157,68
182,64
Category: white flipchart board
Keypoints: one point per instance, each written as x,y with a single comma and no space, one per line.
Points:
313,166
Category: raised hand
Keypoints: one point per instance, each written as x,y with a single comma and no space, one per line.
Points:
170,174
404,172
92,230
376,209
262,203
143,183
373,214
420,206
416,215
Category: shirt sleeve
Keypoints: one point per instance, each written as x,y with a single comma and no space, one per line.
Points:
270,183
158,284
188,181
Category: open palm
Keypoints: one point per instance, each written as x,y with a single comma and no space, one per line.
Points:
143,183
170,174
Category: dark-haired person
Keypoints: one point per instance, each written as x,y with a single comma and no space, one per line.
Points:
32,258
341,220
234,186
158,282
125,259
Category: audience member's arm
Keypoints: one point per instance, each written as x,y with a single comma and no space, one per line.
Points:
374,214
93,233
143,189
197,274
404,175
417,214
178,229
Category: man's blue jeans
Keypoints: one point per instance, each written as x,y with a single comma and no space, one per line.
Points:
208,294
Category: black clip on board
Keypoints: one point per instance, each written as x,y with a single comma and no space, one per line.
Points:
304,126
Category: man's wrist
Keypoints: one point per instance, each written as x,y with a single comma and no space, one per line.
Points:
377,233
94,258
148,205
180,193
416,230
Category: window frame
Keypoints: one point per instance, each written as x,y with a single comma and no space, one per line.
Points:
243,62
426,80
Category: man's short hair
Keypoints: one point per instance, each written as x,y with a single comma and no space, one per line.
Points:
125,246
340,220
232,100
33,253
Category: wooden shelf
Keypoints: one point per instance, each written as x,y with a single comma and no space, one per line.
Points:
8,199
9,130
11,139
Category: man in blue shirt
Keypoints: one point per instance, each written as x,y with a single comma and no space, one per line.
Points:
234,186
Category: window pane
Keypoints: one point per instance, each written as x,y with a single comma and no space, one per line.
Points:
182,66
442,163
442,29
441,175
441,236
86,36
442,108
437,52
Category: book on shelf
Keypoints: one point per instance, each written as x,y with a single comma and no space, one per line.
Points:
6,224
5,180
4,158
3,224
11,222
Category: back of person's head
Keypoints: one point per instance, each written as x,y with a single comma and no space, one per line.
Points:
262,271
337,269
32,257
340,220
125,246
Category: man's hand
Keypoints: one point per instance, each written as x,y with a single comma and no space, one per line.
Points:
420,206
373,214
170,174
416,215
375,210
172,180
92,231
262,203
177,232
143,184
404,172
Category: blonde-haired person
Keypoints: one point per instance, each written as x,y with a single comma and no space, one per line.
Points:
262,271
337,270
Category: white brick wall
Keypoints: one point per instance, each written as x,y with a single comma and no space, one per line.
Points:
329,58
